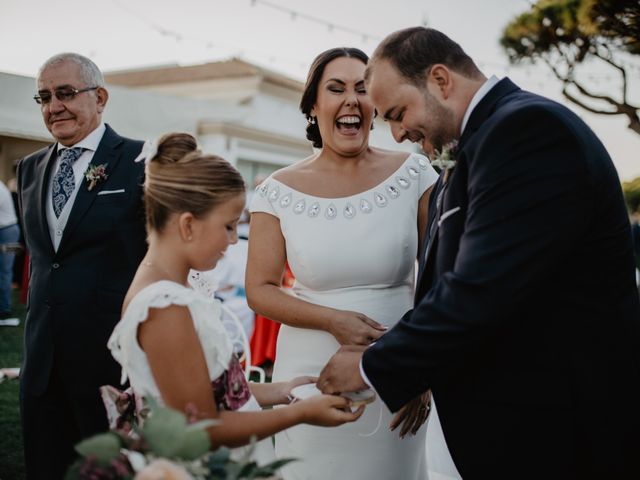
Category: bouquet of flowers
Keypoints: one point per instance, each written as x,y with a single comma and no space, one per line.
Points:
167,446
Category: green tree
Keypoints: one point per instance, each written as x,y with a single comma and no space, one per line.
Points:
566,34
631,192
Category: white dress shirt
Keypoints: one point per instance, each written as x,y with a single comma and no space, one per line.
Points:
7,210
475,100
90,144
480,94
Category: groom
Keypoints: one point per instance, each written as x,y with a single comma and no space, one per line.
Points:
526,324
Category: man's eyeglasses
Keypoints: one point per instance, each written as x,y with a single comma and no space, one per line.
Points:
65,94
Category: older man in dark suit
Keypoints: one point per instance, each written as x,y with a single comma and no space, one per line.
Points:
81,205
527,321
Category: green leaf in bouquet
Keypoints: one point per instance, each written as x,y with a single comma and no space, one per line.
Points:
163,431
74,471
217,462
269,469
219,456
246,469
194,442
233,470
217,472
104,447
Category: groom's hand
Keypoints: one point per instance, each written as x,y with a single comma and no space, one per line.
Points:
342,373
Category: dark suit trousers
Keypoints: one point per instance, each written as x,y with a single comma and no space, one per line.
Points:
53,423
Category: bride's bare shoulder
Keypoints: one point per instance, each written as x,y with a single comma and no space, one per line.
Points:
393,157
292,174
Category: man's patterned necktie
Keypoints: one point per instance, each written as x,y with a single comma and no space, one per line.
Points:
64,180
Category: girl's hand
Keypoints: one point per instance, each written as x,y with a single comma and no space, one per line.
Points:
413,415
353,328
327,410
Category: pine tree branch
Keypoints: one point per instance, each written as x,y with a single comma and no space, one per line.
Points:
581,104
622,71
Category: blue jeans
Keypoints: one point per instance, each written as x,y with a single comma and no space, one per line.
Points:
10,234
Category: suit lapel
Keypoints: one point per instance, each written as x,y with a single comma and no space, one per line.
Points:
43,173
105,154
432,241
480,113
426,277
431,234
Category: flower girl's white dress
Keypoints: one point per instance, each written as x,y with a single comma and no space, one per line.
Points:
228,384
354,253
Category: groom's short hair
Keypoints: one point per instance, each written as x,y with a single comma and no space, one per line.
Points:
413,51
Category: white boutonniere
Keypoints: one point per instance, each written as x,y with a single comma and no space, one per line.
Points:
95,174
445,158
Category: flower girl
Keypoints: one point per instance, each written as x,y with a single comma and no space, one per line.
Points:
170,341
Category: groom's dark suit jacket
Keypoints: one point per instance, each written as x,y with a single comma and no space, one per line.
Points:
527,320
76,293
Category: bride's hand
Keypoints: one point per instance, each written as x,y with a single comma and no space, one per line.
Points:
413,415
285,388
353,328
277,393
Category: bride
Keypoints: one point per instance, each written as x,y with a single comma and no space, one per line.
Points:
348,220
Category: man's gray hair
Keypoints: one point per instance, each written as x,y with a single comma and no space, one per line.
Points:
89,71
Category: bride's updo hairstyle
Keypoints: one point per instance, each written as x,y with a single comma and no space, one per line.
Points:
180,178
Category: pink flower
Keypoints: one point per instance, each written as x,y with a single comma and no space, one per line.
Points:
230,389
95,174
161,469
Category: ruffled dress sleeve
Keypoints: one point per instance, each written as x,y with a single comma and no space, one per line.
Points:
206,315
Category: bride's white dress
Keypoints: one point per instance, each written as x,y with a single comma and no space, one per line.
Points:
354,253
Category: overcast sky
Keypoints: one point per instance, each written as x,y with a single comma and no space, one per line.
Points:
123,34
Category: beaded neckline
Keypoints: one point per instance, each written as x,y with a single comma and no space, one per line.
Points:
380,195
418,159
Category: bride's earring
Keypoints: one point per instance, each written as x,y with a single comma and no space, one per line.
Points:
311,120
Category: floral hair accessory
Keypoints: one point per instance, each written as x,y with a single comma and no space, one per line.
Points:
95,174
149,150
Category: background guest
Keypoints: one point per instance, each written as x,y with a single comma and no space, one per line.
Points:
9,236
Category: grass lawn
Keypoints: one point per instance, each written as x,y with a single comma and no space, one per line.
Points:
11,457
